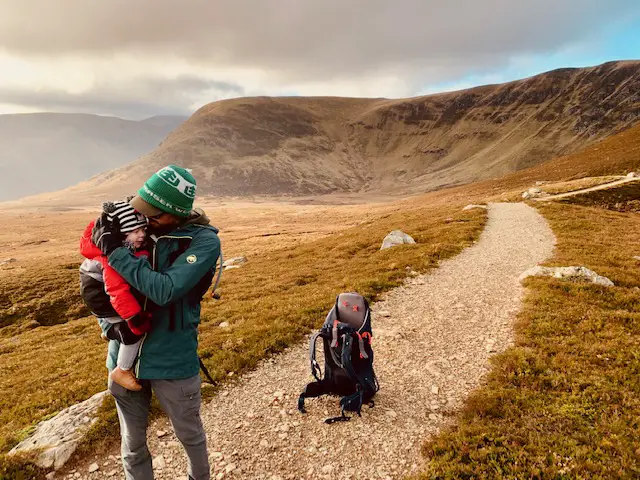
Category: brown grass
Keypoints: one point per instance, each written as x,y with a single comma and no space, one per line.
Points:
565,401
270,303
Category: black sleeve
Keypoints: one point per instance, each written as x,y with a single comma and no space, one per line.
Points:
121,332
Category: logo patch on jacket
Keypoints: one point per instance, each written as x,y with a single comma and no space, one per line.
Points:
192,259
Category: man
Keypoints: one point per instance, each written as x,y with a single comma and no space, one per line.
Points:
183,258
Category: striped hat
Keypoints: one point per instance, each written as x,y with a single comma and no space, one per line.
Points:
128,219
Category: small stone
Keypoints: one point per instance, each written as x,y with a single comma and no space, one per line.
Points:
327,469
637,258
391,413
433,416
472,206
158,462
93,468
434,389
230,468
112,473
220,476
216,455
50,475
284,428
235,261
231,374
161,433
224,325
264,443
384,313
283,436
173,444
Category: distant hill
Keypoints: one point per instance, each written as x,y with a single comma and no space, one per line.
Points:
319,145
44,152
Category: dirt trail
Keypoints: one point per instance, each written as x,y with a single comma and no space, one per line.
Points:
431,350
604,186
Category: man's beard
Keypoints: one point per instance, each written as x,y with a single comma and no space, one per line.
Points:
159,230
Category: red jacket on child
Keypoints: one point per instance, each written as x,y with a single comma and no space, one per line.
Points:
120,295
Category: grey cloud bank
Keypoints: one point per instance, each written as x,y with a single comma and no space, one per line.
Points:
293,42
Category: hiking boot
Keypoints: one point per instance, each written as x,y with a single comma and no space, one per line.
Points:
126,379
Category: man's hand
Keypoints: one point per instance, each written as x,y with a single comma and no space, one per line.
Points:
106,235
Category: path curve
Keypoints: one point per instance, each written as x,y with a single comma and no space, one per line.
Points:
431,352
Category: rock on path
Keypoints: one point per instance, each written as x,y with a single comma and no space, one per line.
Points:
431,350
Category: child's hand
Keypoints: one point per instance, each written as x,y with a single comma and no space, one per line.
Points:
106,234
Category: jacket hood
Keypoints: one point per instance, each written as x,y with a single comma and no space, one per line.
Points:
198,217
87,247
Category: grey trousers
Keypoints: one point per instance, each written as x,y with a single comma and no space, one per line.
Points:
180,399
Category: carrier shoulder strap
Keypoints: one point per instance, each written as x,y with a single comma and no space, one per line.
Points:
315,367
206,372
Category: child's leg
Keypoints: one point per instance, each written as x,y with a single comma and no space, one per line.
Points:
127,355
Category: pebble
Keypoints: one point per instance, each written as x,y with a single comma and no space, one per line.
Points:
93,468
159,462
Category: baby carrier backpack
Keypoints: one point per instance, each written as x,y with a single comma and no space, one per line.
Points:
348,357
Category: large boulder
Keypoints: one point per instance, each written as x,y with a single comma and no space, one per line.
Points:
395,238
568,273
58,437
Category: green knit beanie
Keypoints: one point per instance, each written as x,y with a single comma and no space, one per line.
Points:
171,189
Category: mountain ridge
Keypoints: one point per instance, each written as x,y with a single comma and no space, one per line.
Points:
319,145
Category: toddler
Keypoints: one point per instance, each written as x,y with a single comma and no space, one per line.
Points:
110,298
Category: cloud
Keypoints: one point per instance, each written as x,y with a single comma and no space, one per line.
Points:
135,99
355,47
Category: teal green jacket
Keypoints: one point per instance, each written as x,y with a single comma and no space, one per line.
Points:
170,349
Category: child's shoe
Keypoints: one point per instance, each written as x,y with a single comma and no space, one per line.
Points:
126,379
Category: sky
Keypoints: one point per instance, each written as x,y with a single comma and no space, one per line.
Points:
136,59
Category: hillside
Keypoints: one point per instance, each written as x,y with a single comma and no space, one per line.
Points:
303,252
44,152
300,146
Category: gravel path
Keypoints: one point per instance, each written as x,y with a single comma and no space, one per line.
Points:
432,339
